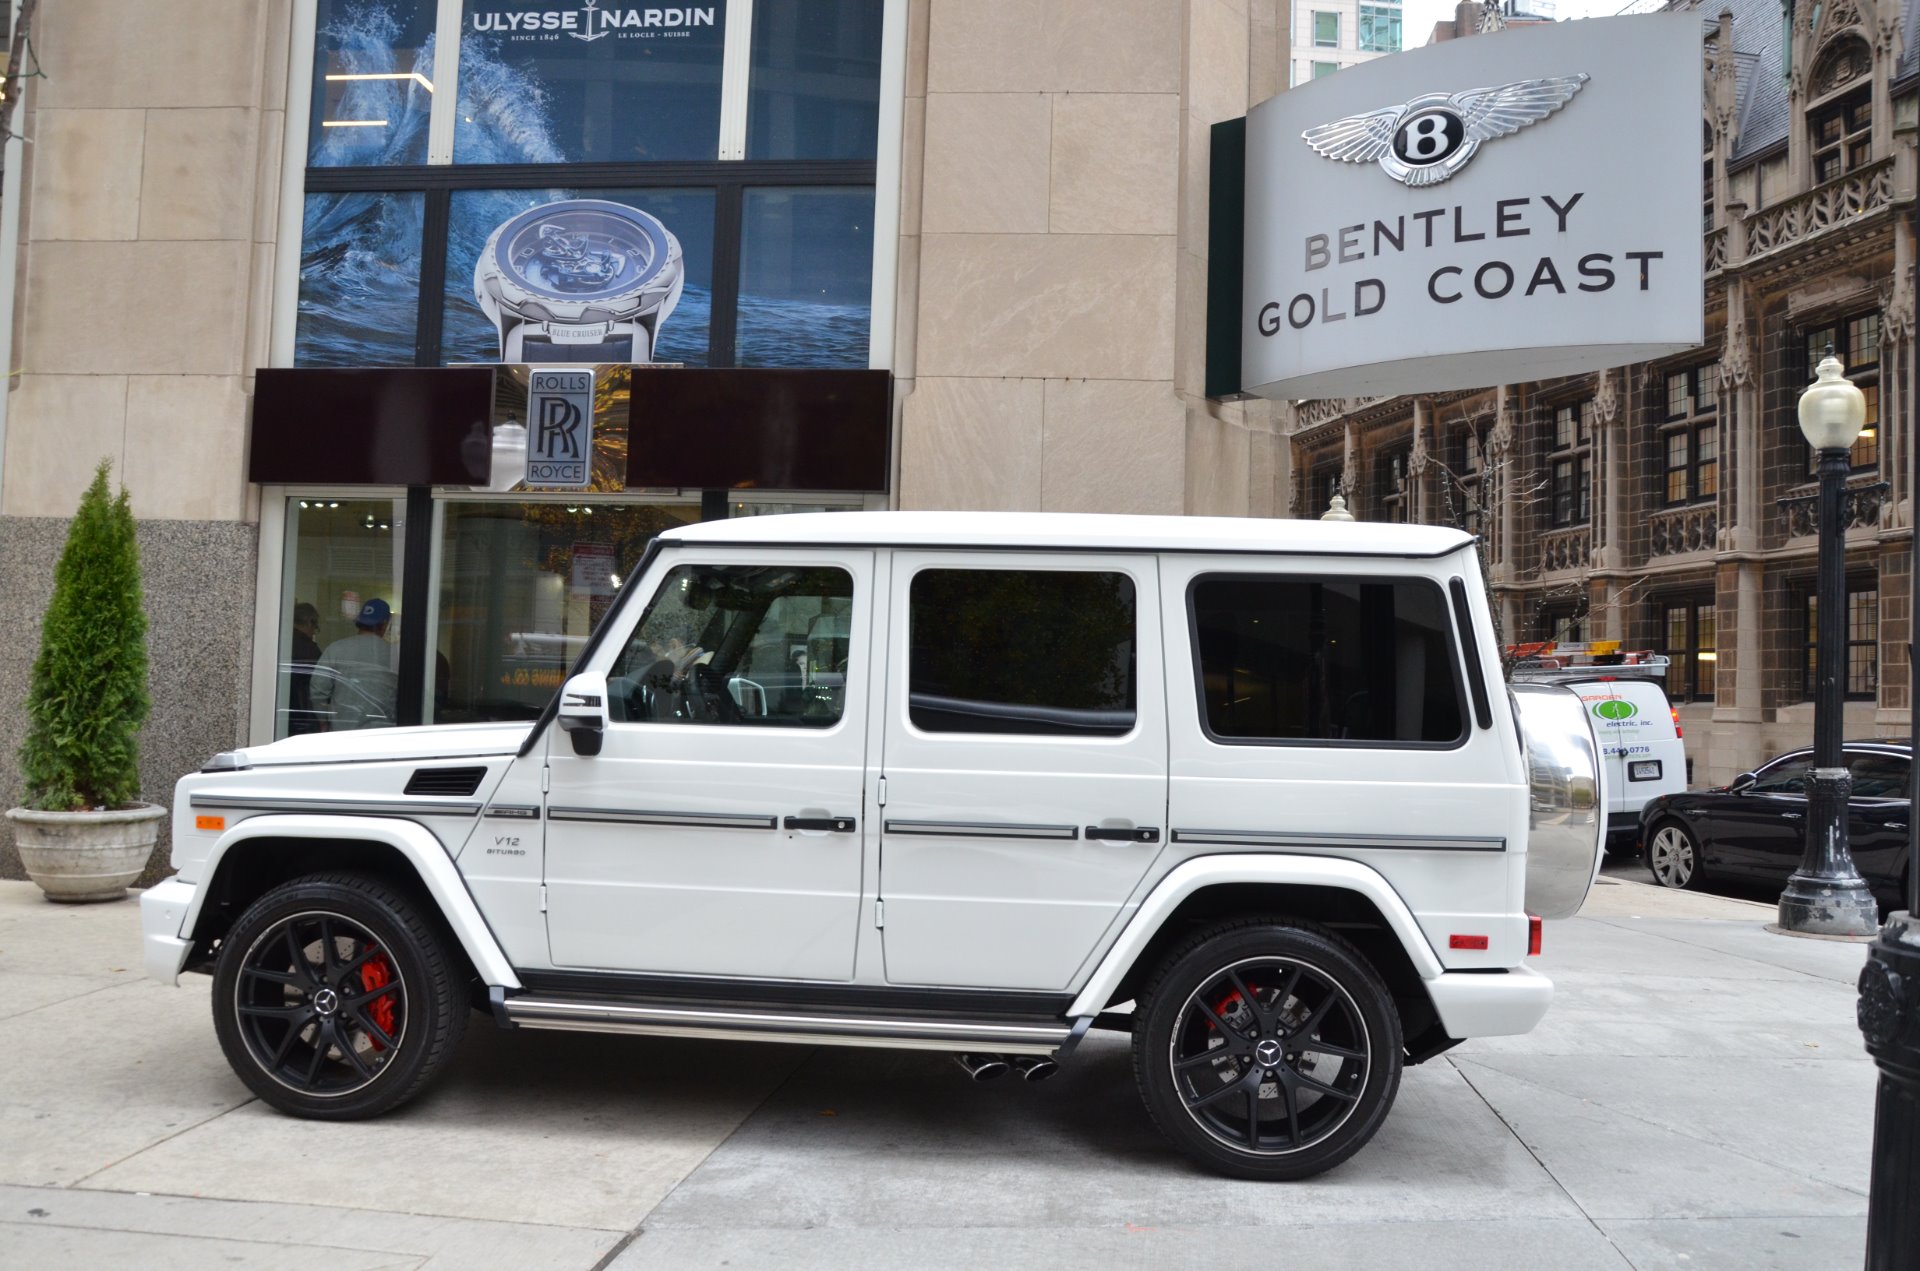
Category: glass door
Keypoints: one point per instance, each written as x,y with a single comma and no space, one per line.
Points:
341,613
522,584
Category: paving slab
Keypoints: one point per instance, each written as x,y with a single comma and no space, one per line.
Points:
47,1245
541,1127
1615,1165
1605,1014
230,1229
872,1139
1812,1117
1741,1244
1521,1245
97,1078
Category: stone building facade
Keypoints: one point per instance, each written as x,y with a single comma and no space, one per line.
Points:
1669,504
1039,231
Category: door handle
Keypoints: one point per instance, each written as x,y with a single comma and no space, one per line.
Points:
1124,834
832,824
1792,816
1896,825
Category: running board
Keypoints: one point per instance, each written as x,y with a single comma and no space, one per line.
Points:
894,1032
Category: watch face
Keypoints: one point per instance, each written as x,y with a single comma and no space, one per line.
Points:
583,249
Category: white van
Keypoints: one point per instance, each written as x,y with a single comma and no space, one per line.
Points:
1639,732
1246,790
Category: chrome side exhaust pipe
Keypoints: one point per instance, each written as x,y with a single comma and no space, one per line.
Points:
982,1067
1034,1067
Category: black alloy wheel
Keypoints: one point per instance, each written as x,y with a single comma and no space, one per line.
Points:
1268,1049
335,998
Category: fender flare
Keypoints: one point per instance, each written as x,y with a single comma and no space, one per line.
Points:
417,844
1212,871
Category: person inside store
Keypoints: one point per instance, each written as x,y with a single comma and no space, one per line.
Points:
305,651
355,681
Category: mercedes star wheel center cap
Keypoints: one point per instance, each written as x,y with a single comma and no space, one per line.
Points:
326,1001
1267,1053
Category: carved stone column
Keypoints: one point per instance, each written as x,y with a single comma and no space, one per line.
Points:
1610,466
1739,431
1896,351
1418,477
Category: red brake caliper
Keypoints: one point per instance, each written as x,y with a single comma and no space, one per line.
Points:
378,973
1223,1006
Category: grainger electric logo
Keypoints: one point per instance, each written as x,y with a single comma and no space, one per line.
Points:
1426,140
591,22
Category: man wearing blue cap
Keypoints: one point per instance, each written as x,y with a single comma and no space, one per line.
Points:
356,678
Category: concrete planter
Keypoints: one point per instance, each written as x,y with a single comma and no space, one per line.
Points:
85,856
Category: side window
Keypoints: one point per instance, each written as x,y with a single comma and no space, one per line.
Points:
755,645
1878,776
1298,659
1048,652
1788,776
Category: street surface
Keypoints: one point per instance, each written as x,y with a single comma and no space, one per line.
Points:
1698,1097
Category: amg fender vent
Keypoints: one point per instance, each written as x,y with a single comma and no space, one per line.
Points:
459,781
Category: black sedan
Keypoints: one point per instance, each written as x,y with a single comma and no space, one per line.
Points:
1755,829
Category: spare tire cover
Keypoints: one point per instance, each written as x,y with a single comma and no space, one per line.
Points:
1566,798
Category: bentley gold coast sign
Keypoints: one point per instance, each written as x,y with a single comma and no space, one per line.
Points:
1513,206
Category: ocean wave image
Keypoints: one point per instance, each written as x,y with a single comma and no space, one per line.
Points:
359,280
369,40
800,333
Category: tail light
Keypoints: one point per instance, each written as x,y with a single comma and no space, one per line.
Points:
1675,712
1533,935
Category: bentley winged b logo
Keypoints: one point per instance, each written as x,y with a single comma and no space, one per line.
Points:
1427,140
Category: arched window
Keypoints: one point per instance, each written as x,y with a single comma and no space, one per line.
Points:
1840,118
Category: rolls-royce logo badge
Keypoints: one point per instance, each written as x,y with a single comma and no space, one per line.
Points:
1427,140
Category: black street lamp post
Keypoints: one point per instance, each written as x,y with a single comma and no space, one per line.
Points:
1826,896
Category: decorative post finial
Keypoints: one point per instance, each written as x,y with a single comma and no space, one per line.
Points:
1336,507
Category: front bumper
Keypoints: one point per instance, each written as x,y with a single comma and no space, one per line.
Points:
163,912
1483,1004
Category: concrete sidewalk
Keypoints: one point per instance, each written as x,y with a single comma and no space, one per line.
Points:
1698,1097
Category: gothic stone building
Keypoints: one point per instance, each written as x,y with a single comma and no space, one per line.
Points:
1669,504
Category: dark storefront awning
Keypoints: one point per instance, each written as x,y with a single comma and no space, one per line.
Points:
811,430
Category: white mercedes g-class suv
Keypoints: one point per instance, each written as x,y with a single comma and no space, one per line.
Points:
1253,791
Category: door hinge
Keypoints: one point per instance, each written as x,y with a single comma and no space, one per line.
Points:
546,779
880,913
880,798
543,898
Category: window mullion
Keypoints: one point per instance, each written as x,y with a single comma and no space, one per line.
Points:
734,66
446,82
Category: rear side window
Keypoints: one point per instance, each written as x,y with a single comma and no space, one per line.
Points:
1321,660
1048,652
1877,776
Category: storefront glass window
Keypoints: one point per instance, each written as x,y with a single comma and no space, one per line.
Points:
814,87
340,620
806,277
578,276
617,82
522,585
359,279
372,83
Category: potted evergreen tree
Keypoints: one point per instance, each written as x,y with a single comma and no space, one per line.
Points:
84,834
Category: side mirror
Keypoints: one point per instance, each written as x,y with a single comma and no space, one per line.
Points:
1742,783
583,712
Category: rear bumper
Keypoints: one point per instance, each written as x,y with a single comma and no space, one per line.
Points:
1623,830
1484,1004
163,911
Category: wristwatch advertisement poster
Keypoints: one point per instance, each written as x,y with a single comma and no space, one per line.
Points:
579,280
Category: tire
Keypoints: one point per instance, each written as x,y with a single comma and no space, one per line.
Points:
1673,856
1253,990
335,997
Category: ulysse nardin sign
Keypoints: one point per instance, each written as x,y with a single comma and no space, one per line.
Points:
1509,207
